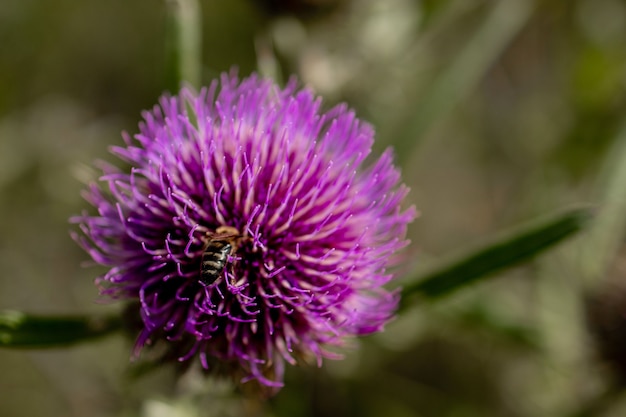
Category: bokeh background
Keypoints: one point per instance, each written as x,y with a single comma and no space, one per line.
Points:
499,110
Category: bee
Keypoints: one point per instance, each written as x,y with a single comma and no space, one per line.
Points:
220,246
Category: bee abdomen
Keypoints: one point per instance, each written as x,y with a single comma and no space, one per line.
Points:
214,260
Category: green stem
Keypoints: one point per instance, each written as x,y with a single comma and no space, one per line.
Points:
183,44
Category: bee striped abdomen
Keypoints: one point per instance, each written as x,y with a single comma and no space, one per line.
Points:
214,260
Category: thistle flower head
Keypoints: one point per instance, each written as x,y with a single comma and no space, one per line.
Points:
249,228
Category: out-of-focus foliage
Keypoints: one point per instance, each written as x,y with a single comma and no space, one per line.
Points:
500,110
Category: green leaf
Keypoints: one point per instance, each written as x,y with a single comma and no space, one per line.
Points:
512,248
20,330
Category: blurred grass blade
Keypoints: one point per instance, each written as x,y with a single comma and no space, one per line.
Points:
504,22
183,44
20,330
481,318
512,248
606,234
266,62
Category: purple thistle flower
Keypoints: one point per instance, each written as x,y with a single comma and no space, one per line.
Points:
311,230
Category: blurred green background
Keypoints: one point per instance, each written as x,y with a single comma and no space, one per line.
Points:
499,111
